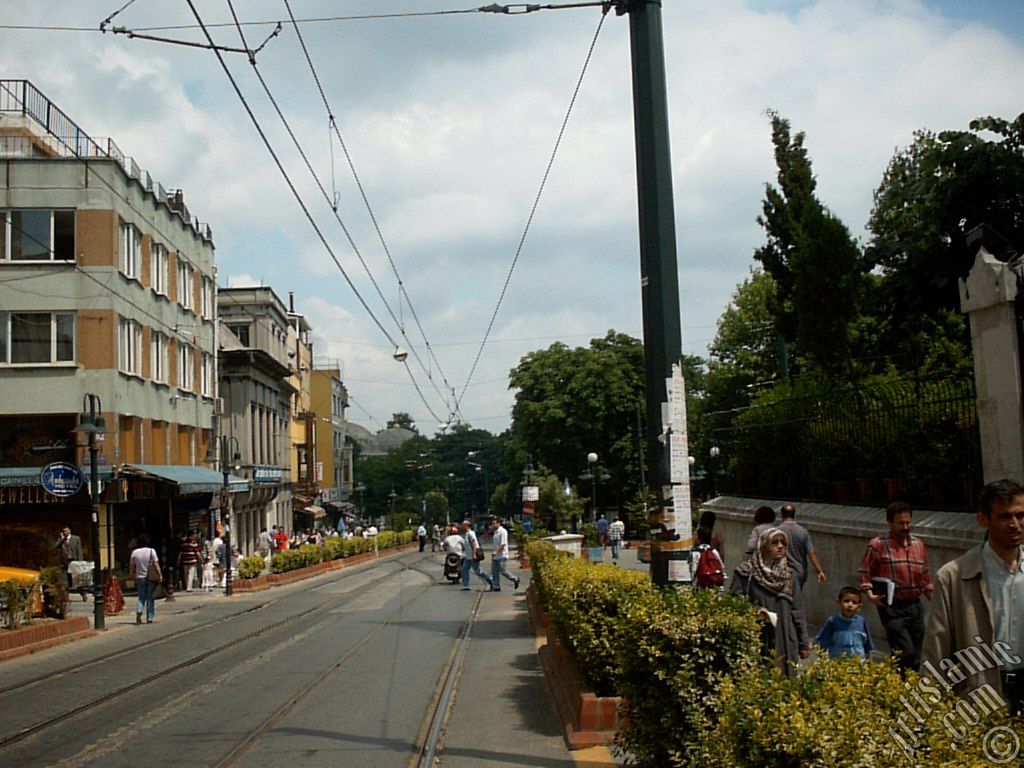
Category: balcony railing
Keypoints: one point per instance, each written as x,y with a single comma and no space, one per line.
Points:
67,141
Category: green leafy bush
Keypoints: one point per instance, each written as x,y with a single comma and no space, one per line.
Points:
15,597
591,536
250,567
837,714
334,549
542,554
55,592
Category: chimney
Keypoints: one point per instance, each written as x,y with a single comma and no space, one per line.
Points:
291,301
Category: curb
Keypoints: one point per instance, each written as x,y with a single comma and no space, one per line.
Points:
43,635
268,580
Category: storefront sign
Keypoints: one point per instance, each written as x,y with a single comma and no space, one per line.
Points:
61,479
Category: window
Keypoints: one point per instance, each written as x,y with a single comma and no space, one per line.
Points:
158,268
185,283
207,375
129,346
158,358
37,235
131,247
242,332
186,366
206,296
37,338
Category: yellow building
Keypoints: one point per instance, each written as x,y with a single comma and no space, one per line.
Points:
333,451
301,428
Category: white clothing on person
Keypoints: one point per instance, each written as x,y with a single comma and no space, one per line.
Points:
500,543
617,530
471,543
141,558
421,531
454,545
209,580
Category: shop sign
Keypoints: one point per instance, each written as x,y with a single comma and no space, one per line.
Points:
61,479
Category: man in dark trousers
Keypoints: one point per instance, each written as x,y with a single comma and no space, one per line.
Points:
70,548
894,575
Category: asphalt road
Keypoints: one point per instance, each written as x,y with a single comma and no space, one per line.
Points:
342,670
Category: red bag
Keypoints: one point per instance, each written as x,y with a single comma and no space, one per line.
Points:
709,569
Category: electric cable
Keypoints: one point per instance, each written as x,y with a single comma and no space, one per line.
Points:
369,209
533,209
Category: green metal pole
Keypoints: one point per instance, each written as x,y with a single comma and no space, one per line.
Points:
659,278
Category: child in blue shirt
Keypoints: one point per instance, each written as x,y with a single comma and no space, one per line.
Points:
846,634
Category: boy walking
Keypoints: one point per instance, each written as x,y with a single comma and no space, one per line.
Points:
846,634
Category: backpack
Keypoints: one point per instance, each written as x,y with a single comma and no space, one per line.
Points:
709,568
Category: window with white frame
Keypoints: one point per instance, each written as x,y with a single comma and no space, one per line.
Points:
37,338
131,249
207,375
158,357
186,366
206,296
129,346
35,234
158,268
185,273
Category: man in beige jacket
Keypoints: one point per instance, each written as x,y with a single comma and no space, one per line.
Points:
975,634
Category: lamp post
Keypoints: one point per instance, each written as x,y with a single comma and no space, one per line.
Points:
591,474
92,423
714,453
360,488
225,443
392,496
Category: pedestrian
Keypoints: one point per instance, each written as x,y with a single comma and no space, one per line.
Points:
800,550
144,567
209,580
421,534
499,556
978,604
435,538
189,560
69,547
894,575
708,570
217,554
602,529
474,554
846,633
616,533
764,518
453,543
708,520
263,543
281,539
766,579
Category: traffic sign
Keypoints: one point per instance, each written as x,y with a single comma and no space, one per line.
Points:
61,479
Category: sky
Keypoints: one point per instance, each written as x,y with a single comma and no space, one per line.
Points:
450,120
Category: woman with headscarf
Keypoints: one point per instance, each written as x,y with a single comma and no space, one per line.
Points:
766,579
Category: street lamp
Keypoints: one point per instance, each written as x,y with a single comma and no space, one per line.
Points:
591,474
92,423
392,496
225,444
359,489
715,452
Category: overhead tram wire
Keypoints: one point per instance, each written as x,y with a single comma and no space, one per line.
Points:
294,190
369,210
536,201
337,217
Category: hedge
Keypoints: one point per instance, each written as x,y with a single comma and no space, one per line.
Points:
250,567
699,695
335,549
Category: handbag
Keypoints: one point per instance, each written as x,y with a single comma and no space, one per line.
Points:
152,575
479,556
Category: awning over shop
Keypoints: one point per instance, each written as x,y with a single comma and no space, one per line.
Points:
11,476
316,511
192,479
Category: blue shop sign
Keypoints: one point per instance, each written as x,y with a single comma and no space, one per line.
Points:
61,479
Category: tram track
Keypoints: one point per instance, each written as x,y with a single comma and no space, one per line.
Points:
108,696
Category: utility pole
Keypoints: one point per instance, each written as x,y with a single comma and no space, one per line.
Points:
659,280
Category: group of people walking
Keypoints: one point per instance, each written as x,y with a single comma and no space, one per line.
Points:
977,600
463,542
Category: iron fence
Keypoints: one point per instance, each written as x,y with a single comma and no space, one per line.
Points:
913,440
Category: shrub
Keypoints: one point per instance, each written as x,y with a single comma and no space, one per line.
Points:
250,567
591,536
675,650
15,597
542,555
586,602
55,592
334,549
837,714
292,559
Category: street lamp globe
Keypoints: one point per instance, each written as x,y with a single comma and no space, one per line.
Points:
715,451
691,460
592,458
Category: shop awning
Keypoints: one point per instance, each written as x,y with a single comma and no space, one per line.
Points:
192,479
11,476
316,511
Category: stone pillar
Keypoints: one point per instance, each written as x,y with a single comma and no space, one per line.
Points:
987,297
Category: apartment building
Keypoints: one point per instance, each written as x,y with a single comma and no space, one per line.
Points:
107,288
334,450
256,390
305,488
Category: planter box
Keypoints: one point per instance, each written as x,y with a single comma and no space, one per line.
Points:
43,634
589,720
251,585
539,618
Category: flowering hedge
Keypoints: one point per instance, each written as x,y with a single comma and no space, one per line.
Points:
335,549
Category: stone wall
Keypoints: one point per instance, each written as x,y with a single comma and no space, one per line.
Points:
840,534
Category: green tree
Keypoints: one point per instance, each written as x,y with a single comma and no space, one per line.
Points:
818,268
932,195
570,402
403,420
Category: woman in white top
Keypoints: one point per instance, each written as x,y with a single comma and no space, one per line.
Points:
144,567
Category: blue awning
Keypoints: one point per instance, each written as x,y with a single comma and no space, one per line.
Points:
193,479
11,476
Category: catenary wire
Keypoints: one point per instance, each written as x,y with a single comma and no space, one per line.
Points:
533,209
369,209
295,192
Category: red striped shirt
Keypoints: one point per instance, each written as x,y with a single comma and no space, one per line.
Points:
904,563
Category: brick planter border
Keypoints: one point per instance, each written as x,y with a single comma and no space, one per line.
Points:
268,580
43,634
589,720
